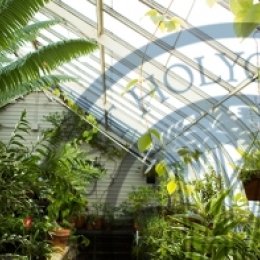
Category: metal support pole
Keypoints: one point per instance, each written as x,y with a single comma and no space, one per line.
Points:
100,31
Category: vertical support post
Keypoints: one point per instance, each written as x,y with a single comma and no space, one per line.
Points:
100,31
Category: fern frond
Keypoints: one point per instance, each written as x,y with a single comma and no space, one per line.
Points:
34,65
28,33
21,126
23,89
14,15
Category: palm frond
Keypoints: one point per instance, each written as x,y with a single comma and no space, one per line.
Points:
28,33
23,89
14,15
34,65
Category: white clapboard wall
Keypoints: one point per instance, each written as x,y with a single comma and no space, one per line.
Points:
122,174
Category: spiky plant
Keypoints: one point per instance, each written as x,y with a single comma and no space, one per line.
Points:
20,75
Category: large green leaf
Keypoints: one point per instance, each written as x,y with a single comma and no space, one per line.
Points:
14,15
250,21
34,65
240,7
171,187
217,203
161,168
247,16
144,142
155,133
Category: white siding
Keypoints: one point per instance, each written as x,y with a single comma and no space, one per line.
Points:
122,173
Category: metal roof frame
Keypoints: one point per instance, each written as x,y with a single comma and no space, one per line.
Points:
117,47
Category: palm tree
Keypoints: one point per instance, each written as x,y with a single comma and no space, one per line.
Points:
20,75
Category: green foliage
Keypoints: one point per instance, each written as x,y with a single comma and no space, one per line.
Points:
209,185
202,226
247,175
47,58
164,23
23,74
250,162
28,34
45,183
187,155
160,240
14,15
171,187
145,142
19,185
82,125
161,168
131,84
43,82
66,167
68,174
247,16
142,197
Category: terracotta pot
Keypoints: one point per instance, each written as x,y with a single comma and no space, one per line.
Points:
60,236
252,189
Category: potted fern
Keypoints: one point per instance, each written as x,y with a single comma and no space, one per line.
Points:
250,171
68,173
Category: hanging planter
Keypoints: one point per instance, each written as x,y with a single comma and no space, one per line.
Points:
250,170
251,184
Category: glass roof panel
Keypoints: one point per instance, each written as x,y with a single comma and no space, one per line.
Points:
83,7
178,100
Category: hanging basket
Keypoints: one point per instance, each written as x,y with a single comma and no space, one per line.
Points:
252,189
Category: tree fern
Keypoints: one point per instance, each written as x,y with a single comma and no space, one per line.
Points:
29,72
49,57
28,33
14,15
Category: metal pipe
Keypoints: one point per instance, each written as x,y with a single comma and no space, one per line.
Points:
100,31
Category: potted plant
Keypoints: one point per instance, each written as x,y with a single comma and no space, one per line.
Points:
141,203
96,219
60,236
67,177
250,171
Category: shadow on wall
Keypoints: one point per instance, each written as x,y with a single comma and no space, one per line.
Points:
215,131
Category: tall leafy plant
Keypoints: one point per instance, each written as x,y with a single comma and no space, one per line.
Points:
40,185
205,227
20,75
19,179
66,167
212,230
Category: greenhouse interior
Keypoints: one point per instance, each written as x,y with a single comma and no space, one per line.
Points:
130,129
